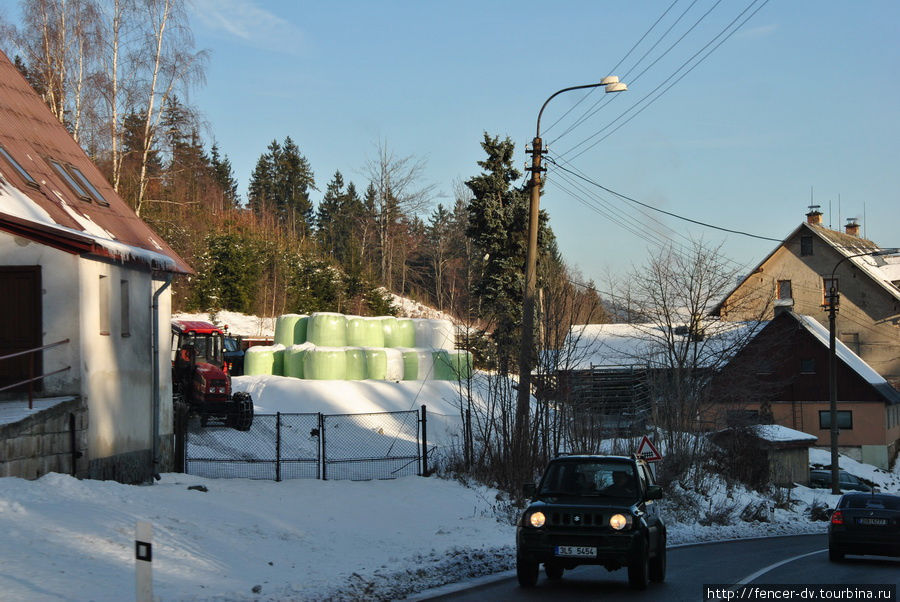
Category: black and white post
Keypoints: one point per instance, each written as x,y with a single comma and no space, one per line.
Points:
143,558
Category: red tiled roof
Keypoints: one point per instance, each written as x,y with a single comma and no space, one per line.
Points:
31,135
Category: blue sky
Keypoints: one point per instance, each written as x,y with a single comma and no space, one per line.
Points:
804,95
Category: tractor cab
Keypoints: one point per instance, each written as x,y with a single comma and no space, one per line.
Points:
200,376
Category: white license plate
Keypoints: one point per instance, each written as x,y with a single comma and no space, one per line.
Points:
576,551
873,521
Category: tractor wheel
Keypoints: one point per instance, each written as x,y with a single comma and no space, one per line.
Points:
242,419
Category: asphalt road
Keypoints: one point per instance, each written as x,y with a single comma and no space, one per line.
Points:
801,559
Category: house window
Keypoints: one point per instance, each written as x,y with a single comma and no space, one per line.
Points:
69,179
844,419
827,284
86,184
806,245
104,305
784,290
126,309
807,365
18,168
851,340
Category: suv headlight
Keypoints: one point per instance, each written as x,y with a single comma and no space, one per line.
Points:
537,519
620,521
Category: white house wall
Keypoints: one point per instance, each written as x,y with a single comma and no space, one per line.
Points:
60,307
116,366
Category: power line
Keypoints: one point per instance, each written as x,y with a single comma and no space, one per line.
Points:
665,88
628,198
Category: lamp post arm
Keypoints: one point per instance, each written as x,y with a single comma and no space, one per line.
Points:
554,95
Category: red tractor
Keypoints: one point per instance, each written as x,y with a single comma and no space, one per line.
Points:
200,376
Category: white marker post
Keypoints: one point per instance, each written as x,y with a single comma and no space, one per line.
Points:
143,557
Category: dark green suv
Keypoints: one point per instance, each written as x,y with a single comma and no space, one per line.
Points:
593,510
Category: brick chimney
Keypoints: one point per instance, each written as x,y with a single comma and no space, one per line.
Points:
814,216
852,227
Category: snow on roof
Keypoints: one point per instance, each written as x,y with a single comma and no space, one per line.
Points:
843,352
592,345
777,433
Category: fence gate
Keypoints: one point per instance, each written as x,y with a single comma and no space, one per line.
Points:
383,445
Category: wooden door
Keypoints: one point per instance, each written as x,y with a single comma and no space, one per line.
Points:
20,321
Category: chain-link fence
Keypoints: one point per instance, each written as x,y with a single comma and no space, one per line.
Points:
279,446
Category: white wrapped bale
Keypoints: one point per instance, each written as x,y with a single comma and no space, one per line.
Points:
326,329
435,334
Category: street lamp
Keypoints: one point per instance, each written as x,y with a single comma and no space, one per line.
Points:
520,438
832,307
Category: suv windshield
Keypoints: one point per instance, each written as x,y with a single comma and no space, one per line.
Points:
597,478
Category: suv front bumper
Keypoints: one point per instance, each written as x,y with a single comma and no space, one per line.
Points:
613,548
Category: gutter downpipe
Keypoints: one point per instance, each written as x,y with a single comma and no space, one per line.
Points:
155,402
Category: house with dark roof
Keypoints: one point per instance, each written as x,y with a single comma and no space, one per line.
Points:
84,312
788,361
798,274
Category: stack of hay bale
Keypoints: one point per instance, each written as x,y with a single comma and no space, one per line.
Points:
333,346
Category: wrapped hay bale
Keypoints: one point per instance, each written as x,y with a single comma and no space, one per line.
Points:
374,332
435,334
326,329
357,368
356,331
293,359
405,335
389,328
394,364
284,329
325,363
300,330
384,363
278,363
259,360
454,364
418,364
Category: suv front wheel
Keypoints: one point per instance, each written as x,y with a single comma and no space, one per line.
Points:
639,569
526,572
658,563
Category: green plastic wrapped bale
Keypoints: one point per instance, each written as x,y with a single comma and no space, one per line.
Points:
278,363
435,334
357,368
389,328
326,329
452,365
293,359
376,362
356,331
300,330
325,363
405,335
259,360
374,332
418,364
284,329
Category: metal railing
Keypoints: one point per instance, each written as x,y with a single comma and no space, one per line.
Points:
31,377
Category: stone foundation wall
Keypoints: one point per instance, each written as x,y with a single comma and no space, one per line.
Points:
43,442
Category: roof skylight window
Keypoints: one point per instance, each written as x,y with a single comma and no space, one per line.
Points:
77,188
95,194
19,169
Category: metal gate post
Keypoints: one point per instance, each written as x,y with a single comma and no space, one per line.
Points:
424,443
322,442
277,446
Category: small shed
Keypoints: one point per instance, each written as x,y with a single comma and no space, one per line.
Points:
767,453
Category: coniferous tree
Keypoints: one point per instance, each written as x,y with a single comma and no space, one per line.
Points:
224,175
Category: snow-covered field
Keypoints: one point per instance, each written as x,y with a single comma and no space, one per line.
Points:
237,539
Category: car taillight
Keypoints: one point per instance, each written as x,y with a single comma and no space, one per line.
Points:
837,518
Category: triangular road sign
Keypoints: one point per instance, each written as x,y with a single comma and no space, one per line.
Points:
647,451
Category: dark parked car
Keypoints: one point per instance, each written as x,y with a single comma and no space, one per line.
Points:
234,355
865,523
593,510
848,482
